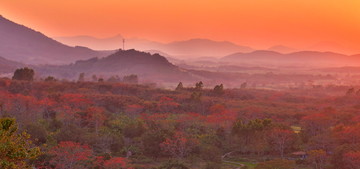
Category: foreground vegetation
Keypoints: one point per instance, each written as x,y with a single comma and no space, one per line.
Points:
118,125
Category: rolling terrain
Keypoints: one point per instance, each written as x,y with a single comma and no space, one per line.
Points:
22,44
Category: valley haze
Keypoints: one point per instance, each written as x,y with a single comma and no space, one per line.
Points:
180,84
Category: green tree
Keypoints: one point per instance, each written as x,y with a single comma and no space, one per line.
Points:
81,77
317,158
246,130
351,91
173,164
276,164
179,86
16,149
212,165
151,142
24,74
94,78
132,79
50,79
219,89
199,85
196,96
243,85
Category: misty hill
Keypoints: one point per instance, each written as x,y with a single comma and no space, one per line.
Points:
7,66
159,52
188,48
345,69
110,43
227,68
156,68
302,58
256,55
282,49
203,47
25,45
150,67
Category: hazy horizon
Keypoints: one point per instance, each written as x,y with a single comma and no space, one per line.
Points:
321,46
303,25
180,84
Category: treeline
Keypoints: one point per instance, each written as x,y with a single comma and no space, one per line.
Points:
117,125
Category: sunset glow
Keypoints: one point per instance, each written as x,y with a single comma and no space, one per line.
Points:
257,23
190,84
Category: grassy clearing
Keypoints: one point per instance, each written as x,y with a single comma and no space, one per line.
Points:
232,163
236,163
296,129
249,164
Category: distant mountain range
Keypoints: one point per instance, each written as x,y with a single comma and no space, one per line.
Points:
156,68
282,49
192,48
111,43
302,58
346,69
22,44
185,49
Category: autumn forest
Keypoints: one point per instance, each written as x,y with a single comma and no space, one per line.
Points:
99,124
179,84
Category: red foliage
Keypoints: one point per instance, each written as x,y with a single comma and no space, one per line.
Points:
352,159
24,108
71,155
95,116
75,100
116,163
348,134
168,105
69,106
317,123
98,162
356,119
223,119
134,109
180,145
155,116
190,118
217,108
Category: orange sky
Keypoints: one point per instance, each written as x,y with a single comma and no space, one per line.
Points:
257,23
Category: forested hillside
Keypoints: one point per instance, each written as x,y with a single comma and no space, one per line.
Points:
120,125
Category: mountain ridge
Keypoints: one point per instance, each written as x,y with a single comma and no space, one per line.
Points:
299,57
149,67
195,47
23,44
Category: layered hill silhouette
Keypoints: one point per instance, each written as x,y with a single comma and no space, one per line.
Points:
149,67
188,48
282,49
203,47
310,58
110,43
345,69
22,44
7,66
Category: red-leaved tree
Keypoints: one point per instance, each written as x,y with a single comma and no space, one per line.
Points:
71,155
352,159
179,146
